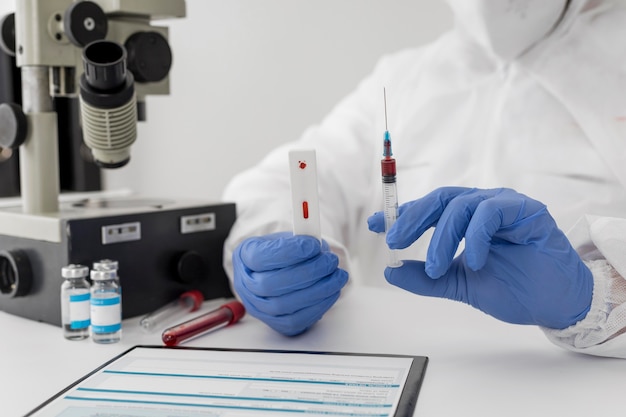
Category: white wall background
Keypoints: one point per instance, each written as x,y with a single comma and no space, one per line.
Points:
251,74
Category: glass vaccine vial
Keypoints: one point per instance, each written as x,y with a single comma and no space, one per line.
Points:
106,307
75,305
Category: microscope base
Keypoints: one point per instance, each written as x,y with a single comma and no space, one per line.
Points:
163,250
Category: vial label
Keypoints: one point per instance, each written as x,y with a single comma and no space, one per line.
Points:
79,310
106,314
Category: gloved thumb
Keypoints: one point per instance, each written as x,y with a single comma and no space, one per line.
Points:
412,277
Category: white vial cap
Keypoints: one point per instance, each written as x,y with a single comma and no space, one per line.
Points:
105,264
74,271
103,274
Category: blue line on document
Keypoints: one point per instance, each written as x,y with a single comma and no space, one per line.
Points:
274,410
237,378
224,397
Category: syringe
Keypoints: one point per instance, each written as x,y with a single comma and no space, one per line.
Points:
390,194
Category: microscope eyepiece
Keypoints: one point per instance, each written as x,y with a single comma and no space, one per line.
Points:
106,83
105,65
108,104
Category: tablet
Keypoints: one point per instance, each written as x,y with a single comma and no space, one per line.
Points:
158,381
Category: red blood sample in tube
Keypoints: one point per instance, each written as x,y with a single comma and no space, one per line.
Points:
225,315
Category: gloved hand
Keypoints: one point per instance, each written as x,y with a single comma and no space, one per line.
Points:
516,266
287,281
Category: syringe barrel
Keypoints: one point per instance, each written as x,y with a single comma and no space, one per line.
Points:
390,199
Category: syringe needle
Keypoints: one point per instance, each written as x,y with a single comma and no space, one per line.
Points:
385,100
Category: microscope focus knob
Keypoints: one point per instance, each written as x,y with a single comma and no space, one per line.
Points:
149,56
7,34
13,126
16,274
191,268
85,22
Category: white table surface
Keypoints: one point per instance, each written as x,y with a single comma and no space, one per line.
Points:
478,365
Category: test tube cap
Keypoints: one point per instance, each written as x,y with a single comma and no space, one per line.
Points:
237,309
194,297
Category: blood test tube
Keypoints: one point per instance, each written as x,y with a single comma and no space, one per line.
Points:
225,315
187,302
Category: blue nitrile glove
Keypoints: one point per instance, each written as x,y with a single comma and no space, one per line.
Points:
287,281
516,266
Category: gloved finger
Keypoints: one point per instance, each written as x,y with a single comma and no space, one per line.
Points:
279,250
509,216
451,228
376,222
294,301
417,216
412,277
299,321
285,280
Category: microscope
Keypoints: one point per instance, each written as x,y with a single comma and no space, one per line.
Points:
106,56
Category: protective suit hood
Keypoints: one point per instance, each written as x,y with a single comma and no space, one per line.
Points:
507,29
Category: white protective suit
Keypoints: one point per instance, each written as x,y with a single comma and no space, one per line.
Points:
546,117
